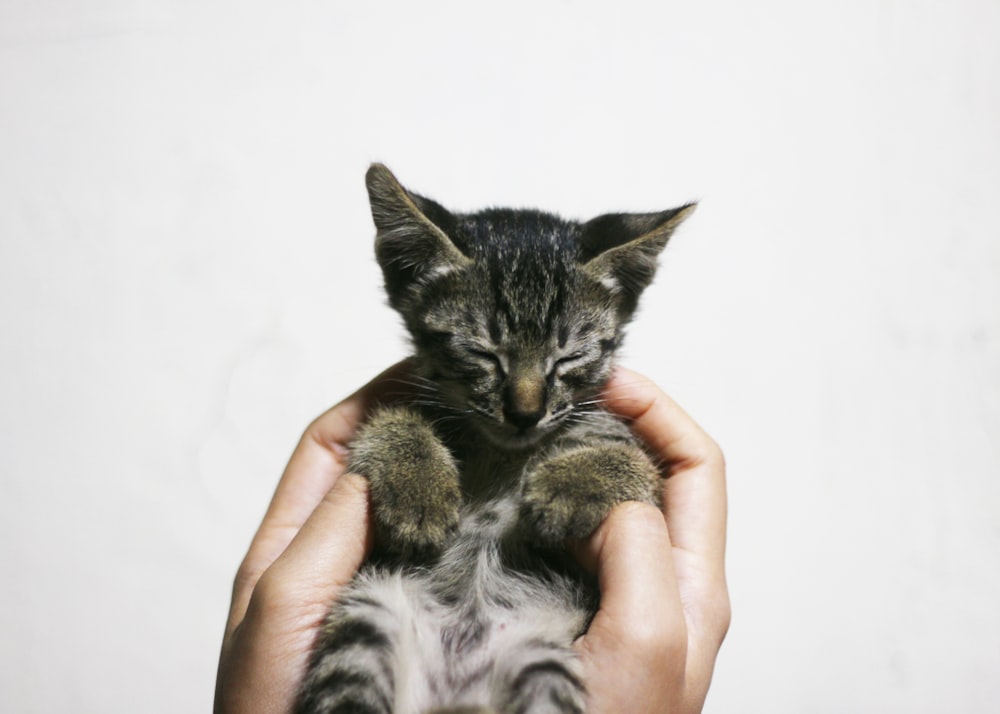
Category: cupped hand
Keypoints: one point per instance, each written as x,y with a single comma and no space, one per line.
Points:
664,603
315,535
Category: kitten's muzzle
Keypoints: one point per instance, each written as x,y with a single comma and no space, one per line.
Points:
524,401
524,420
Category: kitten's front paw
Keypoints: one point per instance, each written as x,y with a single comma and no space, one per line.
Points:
414,483
569,495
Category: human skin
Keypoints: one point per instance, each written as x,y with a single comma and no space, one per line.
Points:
664,603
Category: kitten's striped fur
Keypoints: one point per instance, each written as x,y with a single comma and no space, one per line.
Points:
470,603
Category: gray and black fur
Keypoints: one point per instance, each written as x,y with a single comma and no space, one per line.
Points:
470,603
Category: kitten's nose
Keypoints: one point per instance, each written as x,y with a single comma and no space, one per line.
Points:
524,405
524,420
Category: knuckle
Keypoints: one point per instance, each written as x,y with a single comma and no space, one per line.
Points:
273,592
721,612
330,431
283,605
720,456
349,485
713,454
713,615
665,640
246,576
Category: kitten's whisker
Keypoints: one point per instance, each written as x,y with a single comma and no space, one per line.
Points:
425,386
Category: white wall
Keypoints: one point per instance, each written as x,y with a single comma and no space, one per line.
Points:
186,279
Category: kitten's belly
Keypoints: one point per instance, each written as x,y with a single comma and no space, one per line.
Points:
492,609
464,628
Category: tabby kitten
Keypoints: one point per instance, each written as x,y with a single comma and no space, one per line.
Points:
470,603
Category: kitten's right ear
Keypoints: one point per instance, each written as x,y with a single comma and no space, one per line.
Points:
411,244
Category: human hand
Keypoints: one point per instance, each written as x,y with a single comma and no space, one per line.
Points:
664,604
317,532
314,537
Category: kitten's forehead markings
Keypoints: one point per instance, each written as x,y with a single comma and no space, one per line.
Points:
563,335
471,334
495,331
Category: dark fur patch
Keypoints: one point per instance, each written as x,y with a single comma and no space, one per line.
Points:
461,639
546,668
357,632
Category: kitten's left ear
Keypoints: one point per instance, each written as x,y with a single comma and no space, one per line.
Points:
620,249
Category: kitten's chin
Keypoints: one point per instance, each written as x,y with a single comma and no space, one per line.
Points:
505,438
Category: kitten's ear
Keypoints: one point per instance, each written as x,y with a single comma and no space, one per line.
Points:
411,244
621,249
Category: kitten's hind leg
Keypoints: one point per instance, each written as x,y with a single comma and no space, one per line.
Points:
547,682
352,671
373,651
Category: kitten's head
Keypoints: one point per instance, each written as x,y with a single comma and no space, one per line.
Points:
515,314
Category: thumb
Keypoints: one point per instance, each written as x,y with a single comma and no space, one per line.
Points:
634,651
327,551
291,600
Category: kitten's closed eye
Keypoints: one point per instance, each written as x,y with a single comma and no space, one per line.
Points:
564,363
490,357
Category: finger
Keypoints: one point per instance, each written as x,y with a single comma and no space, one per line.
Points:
326,553
316,464
695,509
292,598
695,490
637,641
321,454
658,419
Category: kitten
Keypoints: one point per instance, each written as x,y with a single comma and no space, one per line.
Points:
470,603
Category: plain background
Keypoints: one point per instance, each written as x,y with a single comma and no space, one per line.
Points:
187,279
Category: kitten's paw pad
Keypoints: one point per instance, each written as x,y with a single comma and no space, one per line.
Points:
414,483
568,496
